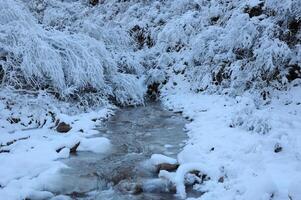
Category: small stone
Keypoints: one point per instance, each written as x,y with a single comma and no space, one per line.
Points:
4,151
14,120
277,148
74,148
59,149
221,179
63,127
167,167
94,2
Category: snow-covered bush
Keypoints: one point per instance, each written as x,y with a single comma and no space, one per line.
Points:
63,62
71,47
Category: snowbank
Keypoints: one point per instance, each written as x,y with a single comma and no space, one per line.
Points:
31,148
96,145
89,55
159,158
178,177
244,161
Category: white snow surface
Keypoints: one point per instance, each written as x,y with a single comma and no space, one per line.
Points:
157,159
233,71
31,167
96,145
243,154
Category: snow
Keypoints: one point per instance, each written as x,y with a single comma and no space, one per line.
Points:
60,197
294,188
157,159
243,154
178,177
96,145
231,67
31,167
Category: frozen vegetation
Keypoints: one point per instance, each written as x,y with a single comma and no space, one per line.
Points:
231,67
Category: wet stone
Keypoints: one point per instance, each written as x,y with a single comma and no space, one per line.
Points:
167,167
126,186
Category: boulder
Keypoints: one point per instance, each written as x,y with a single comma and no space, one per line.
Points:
62,127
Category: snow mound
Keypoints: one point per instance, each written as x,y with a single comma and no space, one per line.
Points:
157,159
96,145
178,177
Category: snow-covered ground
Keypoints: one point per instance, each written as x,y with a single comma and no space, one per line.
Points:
249,151
31,148
240,60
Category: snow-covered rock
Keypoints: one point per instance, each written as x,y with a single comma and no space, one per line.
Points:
157,159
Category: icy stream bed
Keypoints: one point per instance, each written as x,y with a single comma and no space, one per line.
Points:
123,173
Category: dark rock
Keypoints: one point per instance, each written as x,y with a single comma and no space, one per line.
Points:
277,148
167,167
1,74
63,127
294,26
74,148
60,149
4,151
294,72
221,179
255,11
93,2
153,91
13,120
213,20
94,120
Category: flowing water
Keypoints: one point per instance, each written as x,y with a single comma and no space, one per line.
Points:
123,173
